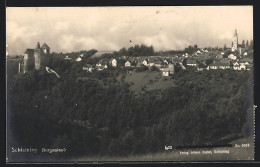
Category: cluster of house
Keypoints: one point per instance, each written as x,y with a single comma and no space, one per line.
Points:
166,63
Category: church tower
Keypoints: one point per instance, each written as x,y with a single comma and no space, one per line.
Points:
37,56
235,41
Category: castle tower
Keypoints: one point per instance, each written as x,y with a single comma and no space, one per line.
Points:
37,56
235,41
28,60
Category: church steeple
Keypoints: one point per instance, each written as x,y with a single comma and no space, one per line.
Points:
235,34
235,41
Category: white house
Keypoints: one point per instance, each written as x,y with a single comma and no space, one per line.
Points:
145,62
114,63
245,54
232,57
222,53
236,66
88,68
165,72
127,64
67,58
78,59
213,66
242,66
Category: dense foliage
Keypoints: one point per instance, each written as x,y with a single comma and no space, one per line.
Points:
95,113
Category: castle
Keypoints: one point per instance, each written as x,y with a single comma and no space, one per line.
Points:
33,57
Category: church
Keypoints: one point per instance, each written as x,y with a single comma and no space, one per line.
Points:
33,57
235,46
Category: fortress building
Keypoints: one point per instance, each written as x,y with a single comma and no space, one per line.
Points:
33,57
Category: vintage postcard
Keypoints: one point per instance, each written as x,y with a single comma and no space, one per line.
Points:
127,84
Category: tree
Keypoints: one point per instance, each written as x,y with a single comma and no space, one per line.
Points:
209,61
246,43
243,44
225,47
195,47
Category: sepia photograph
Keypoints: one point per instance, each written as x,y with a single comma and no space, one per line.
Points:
129,84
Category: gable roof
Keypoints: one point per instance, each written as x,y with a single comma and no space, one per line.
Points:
45,46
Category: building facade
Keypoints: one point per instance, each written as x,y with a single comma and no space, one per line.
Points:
33,57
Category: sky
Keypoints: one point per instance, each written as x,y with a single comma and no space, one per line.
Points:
68,29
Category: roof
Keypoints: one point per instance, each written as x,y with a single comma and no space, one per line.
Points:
219,64
191,62
155,61
29,51
165,69
45,46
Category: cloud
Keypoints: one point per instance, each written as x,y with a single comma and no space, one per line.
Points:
111,28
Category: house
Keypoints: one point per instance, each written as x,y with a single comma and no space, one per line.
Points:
127,64
245,54
213,66
223,66
242,66
88,67
165,61
236,66
98,64
232,57
78,59
165,72
145,62
191,63
67,58
114,63
222,53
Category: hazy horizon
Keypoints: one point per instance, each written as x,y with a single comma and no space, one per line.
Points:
70,29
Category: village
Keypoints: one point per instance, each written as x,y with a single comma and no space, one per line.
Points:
166,64
238,57
235,58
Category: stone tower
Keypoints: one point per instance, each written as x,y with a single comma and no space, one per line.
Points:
37,56
28,60
235,41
